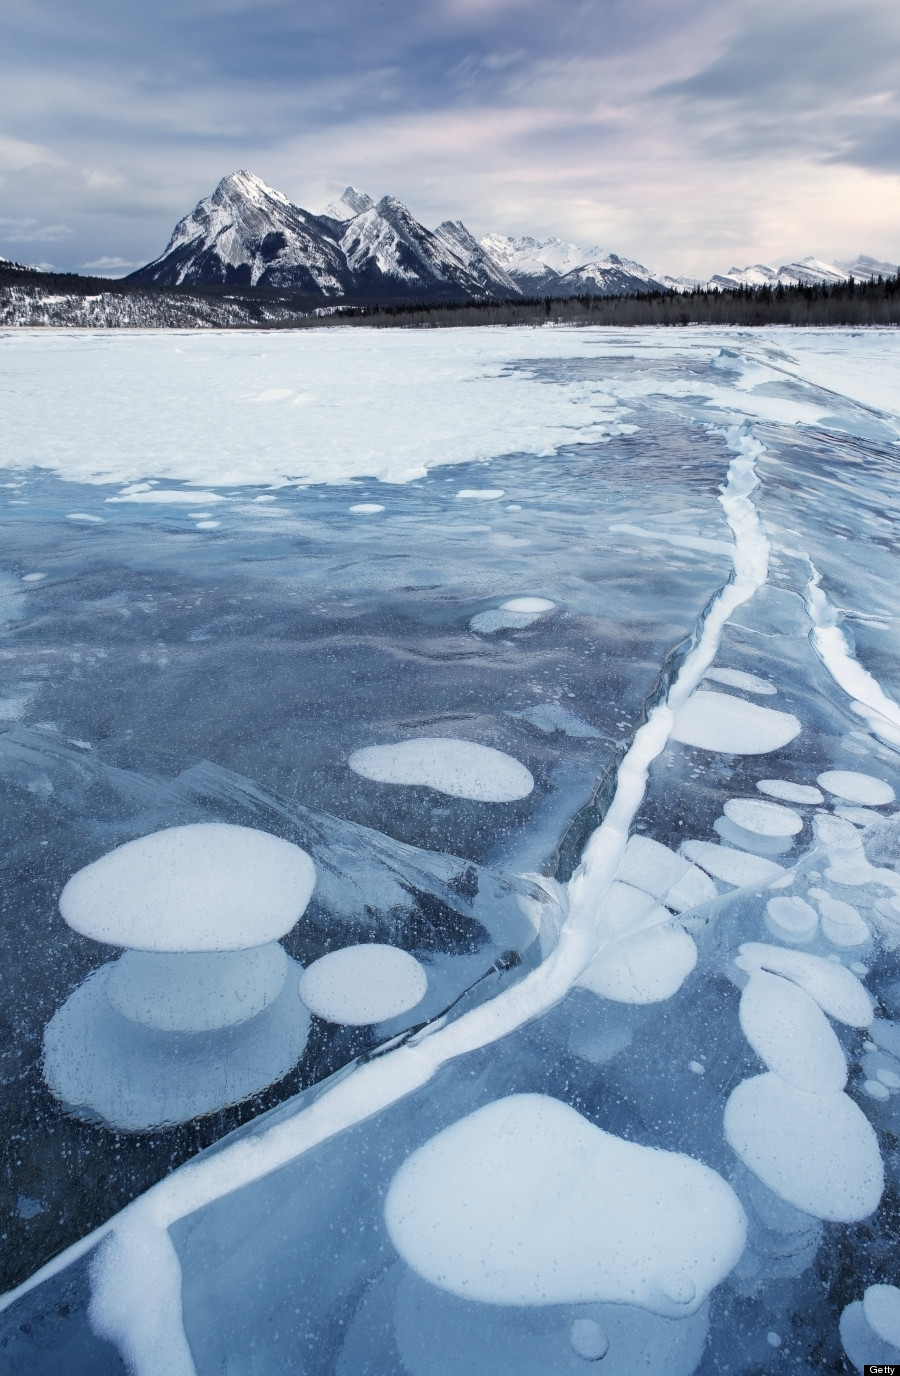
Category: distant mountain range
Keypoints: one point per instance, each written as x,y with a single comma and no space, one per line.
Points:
357,252
248,235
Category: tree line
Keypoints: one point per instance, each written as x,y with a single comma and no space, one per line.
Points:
845,303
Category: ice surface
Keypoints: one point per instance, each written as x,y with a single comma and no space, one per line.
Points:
790,792
439,1334
733,726
856,787
459,768
204,887
552,716
734,508
817,1151
525,1202
791,1035
363,984
768,819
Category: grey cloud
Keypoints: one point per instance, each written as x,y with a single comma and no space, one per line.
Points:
30,231
822,82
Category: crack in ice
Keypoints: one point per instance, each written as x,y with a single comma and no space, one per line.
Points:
833,648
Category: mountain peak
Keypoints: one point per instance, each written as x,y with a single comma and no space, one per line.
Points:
248,187
351,203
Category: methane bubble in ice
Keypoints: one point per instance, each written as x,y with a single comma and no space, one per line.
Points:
789,792
588,1339
513,615
768,819
459,768
645,968
204,887
366,508
835,989
732,726
791,1035
528,605
856,788
842,924
732,866
739,678
135,1078
359,985
791,919
196,991
870,1329
439,1334
524,1202
881,1307
817,1151
481,494
195,1014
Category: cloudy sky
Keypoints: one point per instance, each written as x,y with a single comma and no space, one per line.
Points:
691,134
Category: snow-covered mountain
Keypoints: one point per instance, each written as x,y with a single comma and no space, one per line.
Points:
351,202
248,234
386,245
808,272
553,266
489,272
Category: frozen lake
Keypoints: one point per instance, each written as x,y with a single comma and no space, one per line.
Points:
563,664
